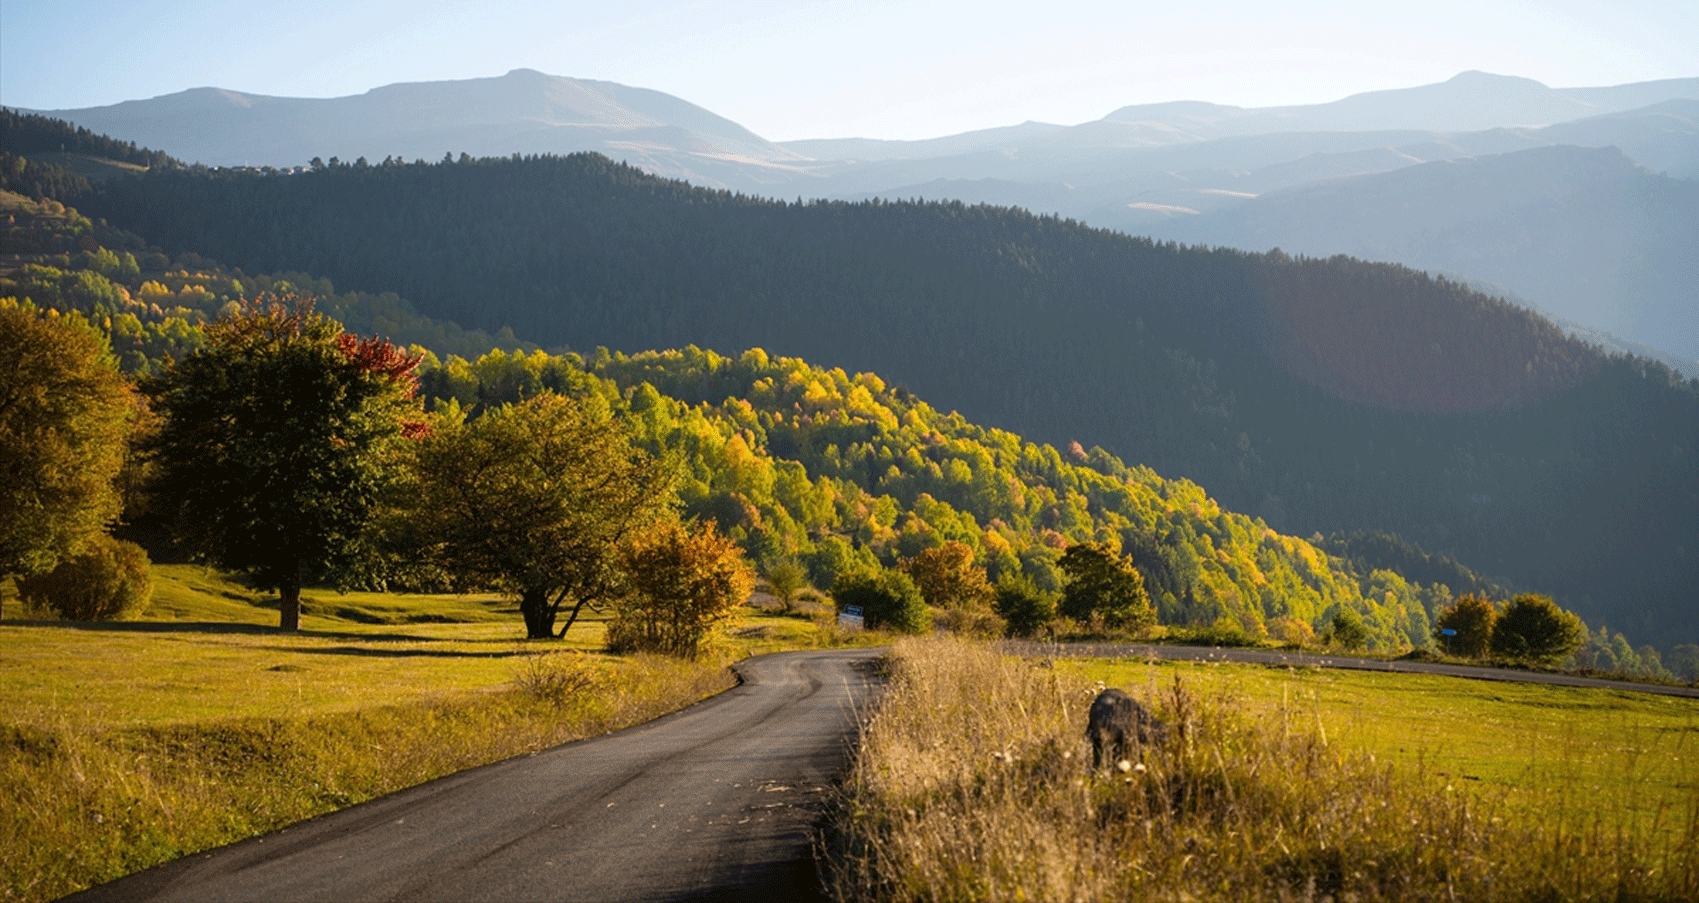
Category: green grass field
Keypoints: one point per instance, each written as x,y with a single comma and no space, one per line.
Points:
1533,749
127,744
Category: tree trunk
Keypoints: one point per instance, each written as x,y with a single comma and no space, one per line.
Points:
573,617
289,609
539,614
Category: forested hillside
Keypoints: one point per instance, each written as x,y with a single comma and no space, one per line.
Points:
841,471
1321,395
836,472
152,306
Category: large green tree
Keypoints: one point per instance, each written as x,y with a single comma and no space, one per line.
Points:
64,412
1103,584
537,498
1533,628
277,442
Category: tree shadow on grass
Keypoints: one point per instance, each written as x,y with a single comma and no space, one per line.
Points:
395,653
151,626
230,628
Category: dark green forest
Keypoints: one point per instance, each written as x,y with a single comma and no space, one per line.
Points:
811,465
1322,396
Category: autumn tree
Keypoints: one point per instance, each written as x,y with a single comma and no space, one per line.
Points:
682,582
277,441
1102,584
1533,628
64,413
1472,616
948,578
536,498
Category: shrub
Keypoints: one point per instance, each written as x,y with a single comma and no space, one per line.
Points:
1347,630
974,622
1684,662
109,580
1534,629
1291,631
948,578
555,678
684,582
886,598
1225,632
786,578
1025,608
1472,617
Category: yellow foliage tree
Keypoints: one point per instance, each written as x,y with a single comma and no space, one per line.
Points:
64,415
683,582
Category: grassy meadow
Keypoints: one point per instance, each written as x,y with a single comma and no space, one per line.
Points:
973,783
126,744
1533,750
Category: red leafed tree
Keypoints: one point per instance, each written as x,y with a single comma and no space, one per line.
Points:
275,444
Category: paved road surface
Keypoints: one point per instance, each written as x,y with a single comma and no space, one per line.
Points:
712,803
1310,660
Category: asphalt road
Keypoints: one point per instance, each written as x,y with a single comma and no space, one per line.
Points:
1311,660
716,802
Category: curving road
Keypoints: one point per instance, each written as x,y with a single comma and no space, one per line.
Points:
1351,663
716,802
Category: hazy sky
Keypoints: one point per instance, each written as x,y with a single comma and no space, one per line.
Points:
801,69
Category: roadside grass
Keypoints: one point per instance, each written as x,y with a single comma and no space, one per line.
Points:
127,744
973,783
1541,752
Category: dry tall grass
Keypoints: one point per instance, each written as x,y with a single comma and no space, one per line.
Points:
973,783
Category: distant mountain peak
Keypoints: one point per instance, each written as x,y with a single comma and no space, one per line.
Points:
524,111
1478,77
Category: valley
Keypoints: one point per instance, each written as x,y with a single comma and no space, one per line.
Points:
1408,378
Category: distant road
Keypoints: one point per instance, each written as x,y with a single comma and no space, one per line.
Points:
716,802
1309,660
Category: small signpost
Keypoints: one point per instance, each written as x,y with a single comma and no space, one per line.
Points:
850,618
1448,633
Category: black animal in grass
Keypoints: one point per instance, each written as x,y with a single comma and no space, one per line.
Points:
1118,725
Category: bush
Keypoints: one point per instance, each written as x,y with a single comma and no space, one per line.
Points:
1226,633
684,582
555,678
1026,609
1347,630
886,598
786,578
1534,629
109,580
974,622
1684,662
1473,618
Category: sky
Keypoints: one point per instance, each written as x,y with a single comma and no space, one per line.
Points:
824,69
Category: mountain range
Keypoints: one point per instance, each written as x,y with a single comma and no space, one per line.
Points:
1573,246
